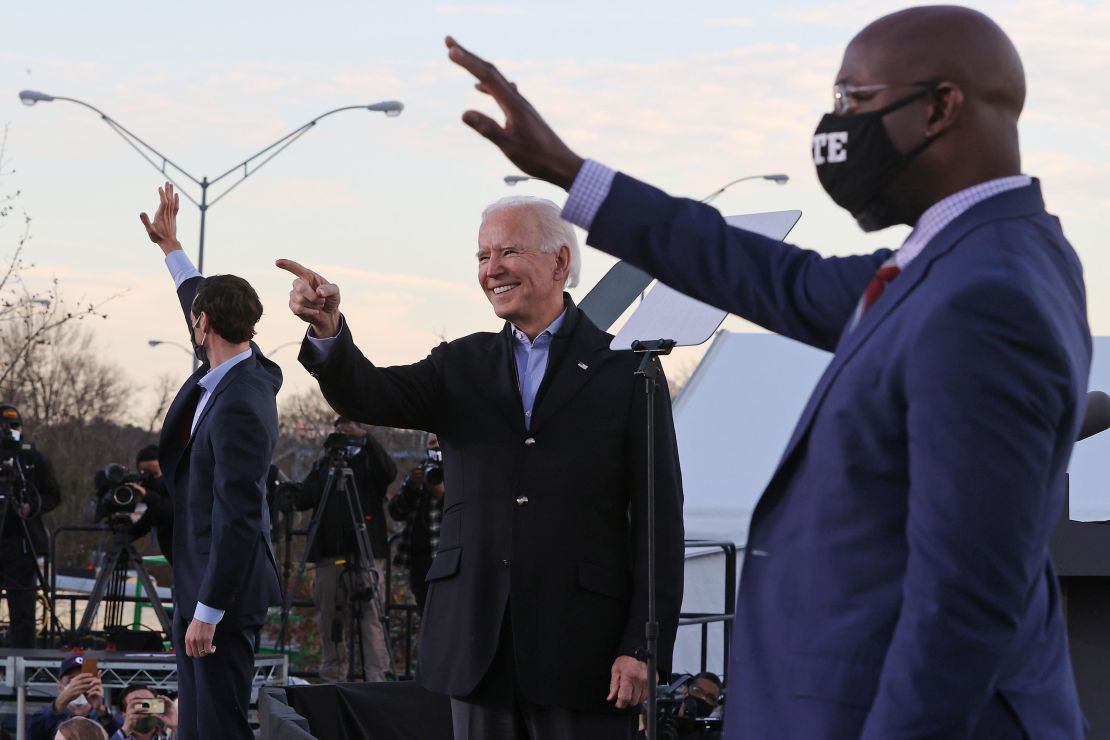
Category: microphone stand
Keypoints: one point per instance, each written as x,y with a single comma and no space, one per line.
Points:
649,371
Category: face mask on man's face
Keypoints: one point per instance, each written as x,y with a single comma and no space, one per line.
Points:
856,161
697,707
198,347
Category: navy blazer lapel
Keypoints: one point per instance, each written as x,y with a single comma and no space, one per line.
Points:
505,387
175,416
577,351
1019,202
225,382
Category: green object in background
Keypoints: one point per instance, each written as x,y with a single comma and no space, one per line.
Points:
137,621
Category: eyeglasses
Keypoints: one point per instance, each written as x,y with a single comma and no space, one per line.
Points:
847,97
699,693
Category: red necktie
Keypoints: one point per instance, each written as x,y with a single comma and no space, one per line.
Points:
188,412
875,288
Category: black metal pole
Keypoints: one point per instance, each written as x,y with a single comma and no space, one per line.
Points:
649,371
203,212
651,629
200,251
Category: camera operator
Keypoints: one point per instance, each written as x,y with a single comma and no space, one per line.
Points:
27,481
689,709
145,715
703,696
419,504
80,694
337,583
153,494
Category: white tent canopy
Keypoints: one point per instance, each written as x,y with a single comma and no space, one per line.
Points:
733,420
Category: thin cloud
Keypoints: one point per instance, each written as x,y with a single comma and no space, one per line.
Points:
497,11
736,22
402,280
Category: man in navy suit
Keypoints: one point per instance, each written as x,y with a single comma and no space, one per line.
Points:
215,451
897,581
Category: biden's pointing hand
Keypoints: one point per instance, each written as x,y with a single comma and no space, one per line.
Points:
526,139
313,299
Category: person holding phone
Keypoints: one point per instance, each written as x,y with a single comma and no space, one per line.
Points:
80,694
146,716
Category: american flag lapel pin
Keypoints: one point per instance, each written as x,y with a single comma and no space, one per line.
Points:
584,366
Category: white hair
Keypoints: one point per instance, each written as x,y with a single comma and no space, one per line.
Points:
554,231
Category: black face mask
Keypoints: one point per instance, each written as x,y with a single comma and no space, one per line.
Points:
856,161
695,707
198,349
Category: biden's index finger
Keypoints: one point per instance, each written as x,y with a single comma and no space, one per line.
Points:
300,271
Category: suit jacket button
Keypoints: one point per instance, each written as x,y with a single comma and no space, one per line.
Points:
505,563
521,500
530,441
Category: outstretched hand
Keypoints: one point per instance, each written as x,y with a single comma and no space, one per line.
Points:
525,139
163,230
313,299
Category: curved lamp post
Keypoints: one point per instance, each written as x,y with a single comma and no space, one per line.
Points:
780,179
158,342
244,169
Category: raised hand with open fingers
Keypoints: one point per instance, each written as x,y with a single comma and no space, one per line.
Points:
313,299
163,229
525,139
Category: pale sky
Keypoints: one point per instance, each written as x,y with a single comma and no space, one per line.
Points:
686,96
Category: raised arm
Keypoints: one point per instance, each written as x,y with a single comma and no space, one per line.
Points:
163,229
408,396
163,232
685,244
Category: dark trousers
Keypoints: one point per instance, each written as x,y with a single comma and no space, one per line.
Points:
17,575
214,692
497,711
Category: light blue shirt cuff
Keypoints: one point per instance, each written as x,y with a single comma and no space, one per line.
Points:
587,193
321,347
181,267
207,614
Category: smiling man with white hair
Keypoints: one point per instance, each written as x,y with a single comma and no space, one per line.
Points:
534,620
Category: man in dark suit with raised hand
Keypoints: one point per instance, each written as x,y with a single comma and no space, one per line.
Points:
215,450
534,621
897,582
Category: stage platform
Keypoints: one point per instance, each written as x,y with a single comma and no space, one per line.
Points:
36,672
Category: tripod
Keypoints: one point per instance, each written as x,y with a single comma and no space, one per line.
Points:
359,598
11,476
341,479
120,552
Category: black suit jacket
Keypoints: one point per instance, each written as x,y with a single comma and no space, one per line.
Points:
550,521
217,480
41,481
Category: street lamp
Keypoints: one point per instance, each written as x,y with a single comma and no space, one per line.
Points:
392,109
779,179
182,347
512,180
